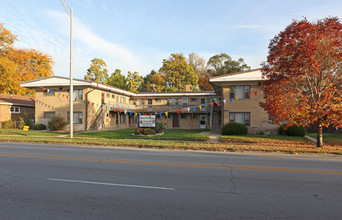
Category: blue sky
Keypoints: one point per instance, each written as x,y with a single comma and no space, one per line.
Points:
136,35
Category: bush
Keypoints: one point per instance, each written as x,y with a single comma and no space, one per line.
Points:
145,131
139,131
8,124
57,123
160,127
25,121
295,131
233,128
39,127
149,131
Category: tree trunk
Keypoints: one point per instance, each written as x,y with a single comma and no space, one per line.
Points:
319,135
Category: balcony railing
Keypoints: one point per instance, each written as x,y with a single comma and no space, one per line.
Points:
171,108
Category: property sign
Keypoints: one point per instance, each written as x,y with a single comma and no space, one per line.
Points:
25,128
147,121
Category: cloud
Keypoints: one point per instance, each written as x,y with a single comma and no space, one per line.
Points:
88,44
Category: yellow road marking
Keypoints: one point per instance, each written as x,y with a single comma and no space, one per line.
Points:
176,164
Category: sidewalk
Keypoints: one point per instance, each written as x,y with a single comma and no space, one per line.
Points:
213,137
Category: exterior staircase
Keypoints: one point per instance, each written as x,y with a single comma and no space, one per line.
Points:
93,123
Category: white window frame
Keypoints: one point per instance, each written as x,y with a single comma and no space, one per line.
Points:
14,110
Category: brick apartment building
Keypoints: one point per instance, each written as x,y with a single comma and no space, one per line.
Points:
102,107
12,107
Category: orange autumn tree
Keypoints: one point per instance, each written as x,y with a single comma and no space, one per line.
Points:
303,75
20,65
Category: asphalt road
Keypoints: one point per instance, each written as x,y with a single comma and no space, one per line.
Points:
70,182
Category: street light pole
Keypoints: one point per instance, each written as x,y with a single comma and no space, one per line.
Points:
71,95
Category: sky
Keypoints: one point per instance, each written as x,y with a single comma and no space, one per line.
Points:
136,35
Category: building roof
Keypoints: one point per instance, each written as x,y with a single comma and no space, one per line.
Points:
251,75
54,81
178,93
18,100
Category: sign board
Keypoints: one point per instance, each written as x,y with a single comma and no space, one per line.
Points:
25,128
147,121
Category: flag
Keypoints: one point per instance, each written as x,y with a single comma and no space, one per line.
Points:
182,110
224,101
194,108
249,95
166,113
160,114
255,93
218,102
177,111
212,104
231,100
200,107
237,98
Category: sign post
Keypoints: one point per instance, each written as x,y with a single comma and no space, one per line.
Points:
147,121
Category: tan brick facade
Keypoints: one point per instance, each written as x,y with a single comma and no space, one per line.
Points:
102,107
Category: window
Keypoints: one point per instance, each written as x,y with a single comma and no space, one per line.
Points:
122,119
239,91
78,94
193,100
194,116
185,101
149,101
202,101
102,98
107,95
78,117
183,116
113,96
172,101
157,100
240,117
49,114
14,109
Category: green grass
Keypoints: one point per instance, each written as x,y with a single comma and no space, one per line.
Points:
262,137
329,138
169,134
30,132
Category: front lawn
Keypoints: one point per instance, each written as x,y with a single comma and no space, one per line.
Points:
169,134
329,138
11,132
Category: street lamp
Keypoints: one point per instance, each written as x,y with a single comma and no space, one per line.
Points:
71,114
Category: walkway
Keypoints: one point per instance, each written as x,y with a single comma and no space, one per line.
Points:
213,137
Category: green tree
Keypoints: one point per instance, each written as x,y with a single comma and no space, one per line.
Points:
97,71
177,73
117,80
134,81
222,64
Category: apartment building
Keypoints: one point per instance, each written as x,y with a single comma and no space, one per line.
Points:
101,107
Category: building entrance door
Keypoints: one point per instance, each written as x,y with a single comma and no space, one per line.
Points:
203,121
175,121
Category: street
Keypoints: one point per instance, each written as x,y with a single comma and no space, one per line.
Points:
73,182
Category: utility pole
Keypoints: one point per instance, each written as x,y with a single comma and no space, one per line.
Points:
71,95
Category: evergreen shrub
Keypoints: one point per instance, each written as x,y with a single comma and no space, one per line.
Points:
233,128
39,127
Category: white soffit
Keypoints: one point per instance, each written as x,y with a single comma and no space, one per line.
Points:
53,81
254,75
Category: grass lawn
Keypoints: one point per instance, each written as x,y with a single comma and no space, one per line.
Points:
169,134
328,138
30,132
175,139
279,143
